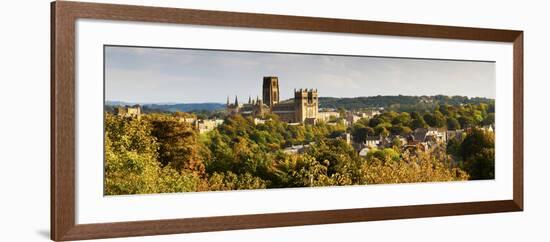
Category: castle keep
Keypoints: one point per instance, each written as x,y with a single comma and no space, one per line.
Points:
304,108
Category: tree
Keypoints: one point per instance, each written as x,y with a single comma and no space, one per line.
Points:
386,155
482,165
379,119
178,144
403,119
418,123
489,120
440,120
435,120
341,159
131,161
230,181
452,123
360,133
381,130
430,119
131,165
415,115
466,122
446,110
421,168
301,171
399,130
396,143
162,153
478,152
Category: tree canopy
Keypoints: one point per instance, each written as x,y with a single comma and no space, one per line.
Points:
160,153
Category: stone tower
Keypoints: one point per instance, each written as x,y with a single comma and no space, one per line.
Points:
306,105
270,91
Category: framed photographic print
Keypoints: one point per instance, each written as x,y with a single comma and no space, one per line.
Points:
172,120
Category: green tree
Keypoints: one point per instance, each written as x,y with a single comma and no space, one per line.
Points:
403,118
418,123
230,181
452,124
478,152
466,122
489,120
360,132
131,165
341,159
131,161
420,168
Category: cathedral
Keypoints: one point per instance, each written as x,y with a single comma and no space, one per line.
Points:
304,108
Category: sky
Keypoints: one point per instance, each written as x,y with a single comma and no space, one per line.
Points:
160,75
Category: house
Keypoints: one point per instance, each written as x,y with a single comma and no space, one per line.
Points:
327,115
372,141
128,111
346,137
351,118
369,113
189,120
207,125
296,149
429,135
259,121
391,138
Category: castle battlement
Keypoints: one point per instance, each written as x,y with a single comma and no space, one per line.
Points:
305,90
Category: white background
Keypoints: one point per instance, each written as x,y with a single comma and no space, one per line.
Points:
24,95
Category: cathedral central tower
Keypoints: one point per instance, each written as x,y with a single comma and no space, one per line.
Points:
270,91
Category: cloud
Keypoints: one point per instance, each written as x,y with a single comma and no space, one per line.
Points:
181,75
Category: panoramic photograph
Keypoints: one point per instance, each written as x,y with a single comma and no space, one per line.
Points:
194,120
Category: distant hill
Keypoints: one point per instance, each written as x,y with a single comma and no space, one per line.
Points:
398,103
168,107
401,103
186,107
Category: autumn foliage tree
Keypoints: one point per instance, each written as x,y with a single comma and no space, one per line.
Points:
164,152
385,168
179,146
131,161
478,153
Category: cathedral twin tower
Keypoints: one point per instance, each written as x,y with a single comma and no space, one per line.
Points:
304,108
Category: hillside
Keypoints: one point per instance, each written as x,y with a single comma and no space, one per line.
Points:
181,107
398,103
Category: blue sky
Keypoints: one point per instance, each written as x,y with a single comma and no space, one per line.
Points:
157,75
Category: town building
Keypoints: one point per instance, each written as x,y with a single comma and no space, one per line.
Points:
189,120
372,140
128,111
351,118
207,125
297,149
369,113
327,115
429,134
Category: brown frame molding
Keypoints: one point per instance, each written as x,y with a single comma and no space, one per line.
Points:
63,17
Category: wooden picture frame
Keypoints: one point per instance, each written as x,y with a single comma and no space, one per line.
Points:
63,18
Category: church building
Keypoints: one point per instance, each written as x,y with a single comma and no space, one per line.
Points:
303,108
